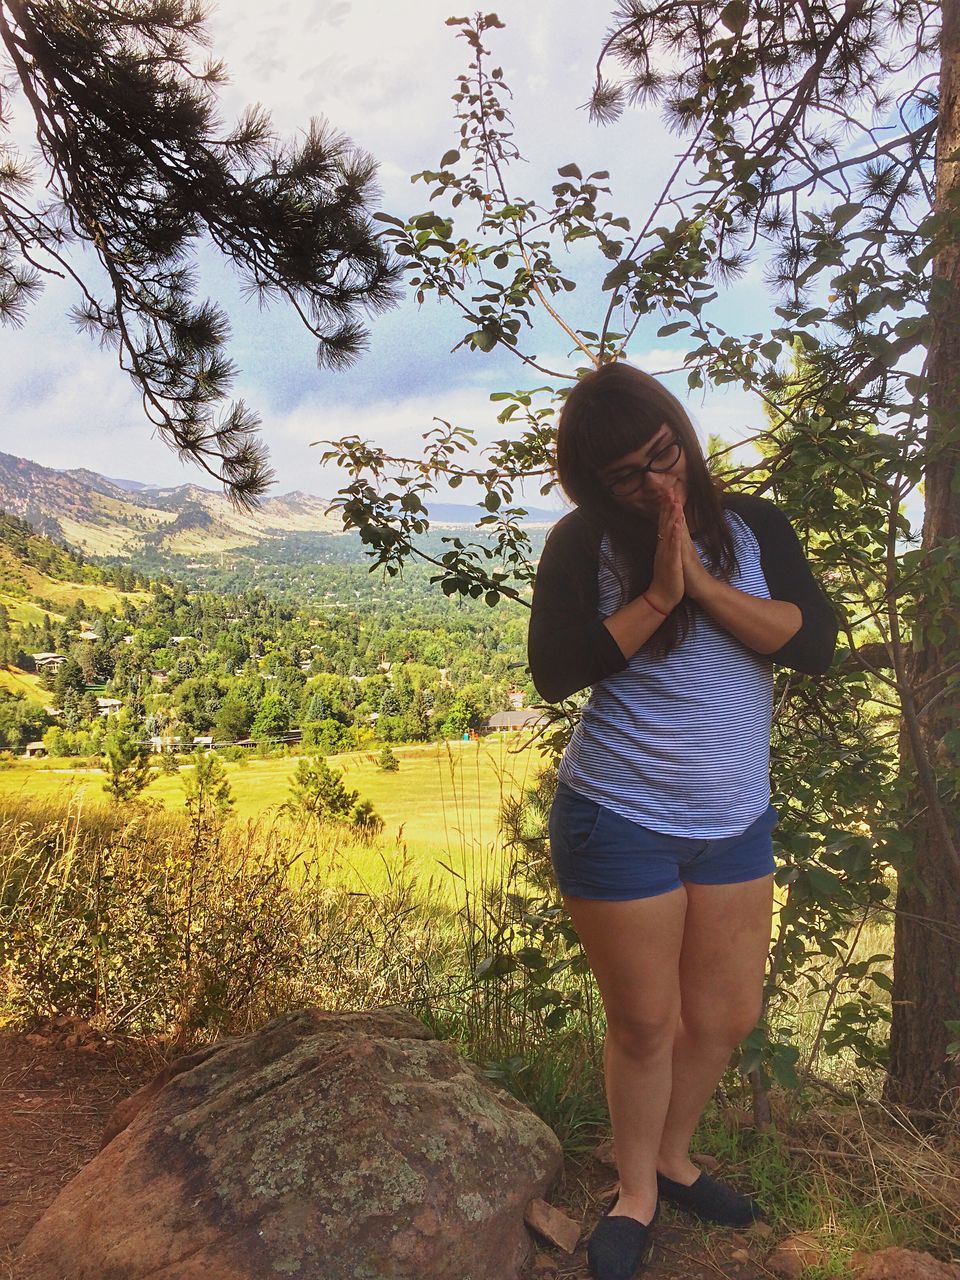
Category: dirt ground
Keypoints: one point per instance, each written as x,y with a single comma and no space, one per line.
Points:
55,1098
54,1101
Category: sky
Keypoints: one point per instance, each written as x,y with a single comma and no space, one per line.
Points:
383,75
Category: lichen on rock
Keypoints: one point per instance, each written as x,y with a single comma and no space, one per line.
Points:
347,1146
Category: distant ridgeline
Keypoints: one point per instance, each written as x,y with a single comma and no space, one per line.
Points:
153,527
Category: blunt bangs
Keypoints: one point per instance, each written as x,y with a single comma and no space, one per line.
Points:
611,412
611,428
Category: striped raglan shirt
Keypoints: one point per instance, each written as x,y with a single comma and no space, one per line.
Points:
678,743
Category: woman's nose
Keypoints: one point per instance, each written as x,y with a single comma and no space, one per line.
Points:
656,483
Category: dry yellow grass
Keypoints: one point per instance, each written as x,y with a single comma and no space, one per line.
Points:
866,1153
442,806
23,682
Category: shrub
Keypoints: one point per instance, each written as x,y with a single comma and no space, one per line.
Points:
319,791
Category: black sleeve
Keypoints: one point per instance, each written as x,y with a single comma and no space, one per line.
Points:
568,646
788,577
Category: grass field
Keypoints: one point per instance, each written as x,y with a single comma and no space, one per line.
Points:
23,611
23,682
441,806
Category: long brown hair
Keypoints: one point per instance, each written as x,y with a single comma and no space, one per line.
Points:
612,411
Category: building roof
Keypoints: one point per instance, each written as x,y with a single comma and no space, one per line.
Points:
516,719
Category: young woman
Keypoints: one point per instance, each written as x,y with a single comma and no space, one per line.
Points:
672,600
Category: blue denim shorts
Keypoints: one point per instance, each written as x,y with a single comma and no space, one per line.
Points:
598,854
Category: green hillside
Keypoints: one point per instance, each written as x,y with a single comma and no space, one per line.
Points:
45,591
39,575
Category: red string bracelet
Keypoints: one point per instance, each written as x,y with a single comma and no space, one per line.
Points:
644,596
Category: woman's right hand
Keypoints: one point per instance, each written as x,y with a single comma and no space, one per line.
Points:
666,587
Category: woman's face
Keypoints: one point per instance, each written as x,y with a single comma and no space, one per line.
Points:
649,476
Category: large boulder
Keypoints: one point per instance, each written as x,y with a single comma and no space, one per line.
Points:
903,1264
341,1146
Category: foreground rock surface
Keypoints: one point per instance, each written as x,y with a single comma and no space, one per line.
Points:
341,1146
903,1264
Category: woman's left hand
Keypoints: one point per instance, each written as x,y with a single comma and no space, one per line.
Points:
697,579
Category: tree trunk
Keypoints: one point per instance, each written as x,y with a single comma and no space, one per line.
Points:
926,986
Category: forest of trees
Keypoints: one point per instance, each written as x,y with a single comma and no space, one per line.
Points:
341,668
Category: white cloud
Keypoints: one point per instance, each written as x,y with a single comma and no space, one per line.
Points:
398,425
66,403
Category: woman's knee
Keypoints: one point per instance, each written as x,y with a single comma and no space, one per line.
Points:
722,1022
644,1034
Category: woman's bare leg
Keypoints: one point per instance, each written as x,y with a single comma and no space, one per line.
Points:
726,939
634,950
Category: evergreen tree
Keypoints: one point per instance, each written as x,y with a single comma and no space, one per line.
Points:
135,169
416,722
127,764
389,703
207,793
319,791
69,679
71,717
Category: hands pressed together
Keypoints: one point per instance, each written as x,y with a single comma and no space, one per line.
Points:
677,567
763,625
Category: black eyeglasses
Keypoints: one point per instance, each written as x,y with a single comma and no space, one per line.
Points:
630,481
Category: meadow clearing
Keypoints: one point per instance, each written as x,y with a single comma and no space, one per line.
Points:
441,807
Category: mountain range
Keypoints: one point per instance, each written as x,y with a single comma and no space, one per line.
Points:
100,516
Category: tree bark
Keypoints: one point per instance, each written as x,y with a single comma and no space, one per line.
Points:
926,985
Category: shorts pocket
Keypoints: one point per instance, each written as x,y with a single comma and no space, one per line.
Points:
573,820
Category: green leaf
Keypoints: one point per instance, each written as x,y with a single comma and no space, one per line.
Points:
734,15
843,213
450,157
673,327
482,340
619,275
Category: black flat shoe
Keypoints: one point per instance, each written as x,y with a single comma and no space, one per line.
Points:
620,1246
711,1201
